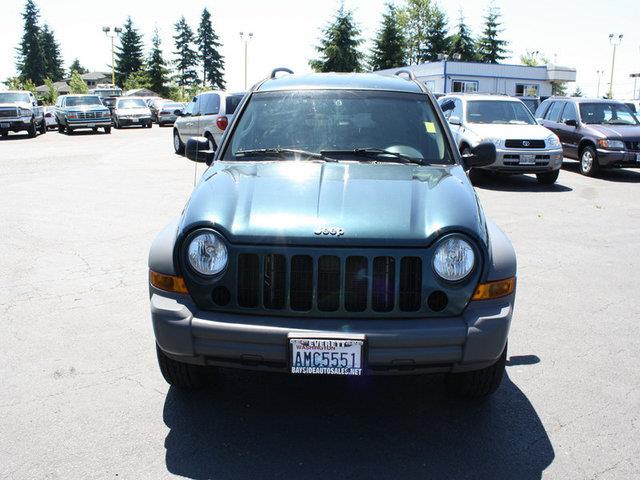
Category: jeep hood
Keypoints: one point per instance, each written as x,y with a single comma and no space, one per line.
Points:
622,132
507,131
373,204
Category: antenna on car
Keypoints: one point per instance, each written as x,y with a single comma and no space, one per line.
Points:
280,69
409,73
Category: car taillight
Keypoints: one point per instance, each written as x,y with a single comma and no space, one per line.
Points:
222,122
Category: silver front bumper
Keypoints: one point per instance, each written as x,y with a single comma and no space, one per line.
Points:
527,160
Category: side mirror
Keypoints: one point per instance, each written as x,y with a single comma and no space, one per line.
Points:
40,103
453,120
177,112
447,105
571,122
482,155
197,149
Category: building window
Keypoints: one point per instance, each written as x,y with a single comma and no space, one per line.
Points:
463,86
527,90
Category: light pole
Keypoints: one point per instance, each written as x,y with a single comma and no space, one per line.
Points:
599,73
245,37
112,36
615,42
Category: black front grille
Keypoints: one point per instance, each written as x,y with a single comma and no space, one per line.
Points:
524,144
8,113
329,283
633,145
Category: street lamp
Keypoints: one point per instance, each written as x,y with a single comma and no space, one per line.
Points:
599,73
615,42
246,38
112,36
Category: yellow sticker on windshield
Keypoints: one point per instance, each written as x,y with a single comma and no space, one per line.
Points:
431,128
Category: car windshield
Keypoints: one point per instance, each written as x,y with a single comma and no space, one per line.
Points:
11,97
607,114
131,103
499,111
82,101
346,121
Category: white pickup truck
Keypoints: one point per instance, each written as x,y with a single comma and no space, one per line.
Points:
19,110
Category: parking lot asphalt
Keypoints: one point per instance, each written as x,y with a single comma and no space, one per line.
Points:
82,396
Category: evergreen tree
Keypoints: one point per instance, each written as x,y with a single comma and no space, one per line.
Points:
577,92
139,79
129,56
54,69
186,56
388,46
437,41
77,84
492,49
559,89
77,67
212,61
339,46
157,71
414,20
462,42
30,60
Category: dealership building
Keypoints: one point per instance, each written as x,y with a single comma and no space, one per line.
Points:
516,80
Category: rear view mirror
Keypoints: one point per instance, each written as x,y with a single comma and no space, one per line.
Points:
482,155
198,150
571,122
177,112
447,105
453,120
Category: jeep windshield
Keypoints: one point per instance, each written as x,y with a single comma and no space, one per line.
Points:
352,125
607,114
499,112
83,101
12,97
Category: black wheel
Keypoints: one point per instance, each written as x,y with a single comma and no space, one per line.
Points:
32,131
60,128
95,129
150,125
69,131
589,165
43,126
548,178
115,123
181,375
478,383
107,129
178,146
4,133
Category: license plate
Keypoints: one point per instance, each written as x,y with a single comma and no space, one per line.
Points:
638,157
527,159
137,120
321,356
5,125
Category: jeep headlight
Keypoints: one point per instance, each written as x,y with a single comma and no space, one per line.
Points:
25,112
496,141
552,141
207,254
612,144
454,259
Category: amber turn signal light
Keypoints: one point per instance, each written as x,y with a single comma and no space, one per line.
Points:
169,283
497,289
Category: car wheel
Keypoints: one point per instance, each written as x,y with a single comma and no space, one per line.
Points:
60,128
150,125
43,126
178,146
69,131
95,129
589,165
107,129
32,131
478,384
115,123
181,375
4,134
548,178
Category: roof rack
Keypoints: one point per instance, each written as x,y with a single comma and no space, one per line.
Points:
412,76
280,69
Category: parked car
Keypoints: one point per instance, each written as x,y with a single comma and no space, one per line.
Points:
105,90
165,112
50,117
109,102
130,111
81,111
598,133
207,115
522,145
20,111
335,232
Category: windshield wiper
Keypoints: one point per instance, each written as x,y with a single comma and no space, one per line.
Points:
374,152
282,153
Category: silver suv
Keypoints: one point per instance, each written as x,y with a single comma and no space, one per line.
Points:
206,115
522,145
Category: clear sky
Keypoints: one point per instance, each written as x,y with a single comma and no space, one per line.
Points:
574,32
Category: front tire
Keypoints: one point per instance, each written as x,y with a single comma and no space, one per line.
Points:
589,165
60,128
478,384
548,178
181,375
107,129
32,131
43,126
178,146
